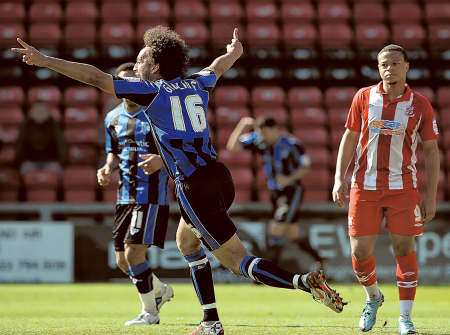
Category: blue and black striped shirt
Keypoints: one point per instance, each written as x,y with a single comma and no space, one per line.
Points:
282,158
176,110
128,135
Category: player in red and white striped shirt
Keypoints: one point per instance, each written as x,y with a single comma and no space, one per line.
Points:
384,126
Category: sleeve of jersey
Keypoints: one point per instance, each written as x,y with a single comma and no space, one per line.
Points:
354,114
248,141
110,143
207,79
298,152
139,91
429,128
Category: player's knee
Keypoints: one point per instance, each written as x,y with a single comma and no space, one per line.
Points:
403,249
188,246
135,254
360,254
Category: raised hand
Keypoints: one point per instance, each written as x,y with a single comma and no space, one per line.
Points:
30,55
235,46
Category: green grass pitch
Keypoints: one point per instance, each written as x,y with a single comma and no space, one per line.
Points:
86,309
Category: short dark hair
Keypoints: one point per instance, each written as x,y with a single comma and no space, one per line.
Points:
124,67
265,121
168,50
394,47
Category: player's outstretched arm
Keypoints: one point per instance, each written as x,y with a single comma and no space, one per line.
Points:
85,73
233,143
223,63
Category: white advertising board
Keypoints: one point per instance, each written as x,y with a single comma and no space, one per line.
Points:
36,251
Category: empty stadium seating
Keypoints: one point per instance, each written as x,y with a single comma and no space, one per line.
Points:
308,97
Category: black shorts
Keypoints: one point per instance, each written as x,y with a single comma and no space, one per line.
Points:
140,224
204,200
286,204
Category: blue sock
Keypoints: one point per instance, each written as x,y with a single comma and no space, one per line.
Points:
141,275
268,273
203,283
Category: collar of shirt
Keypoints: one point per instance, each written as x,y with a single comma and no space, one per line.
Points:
404,97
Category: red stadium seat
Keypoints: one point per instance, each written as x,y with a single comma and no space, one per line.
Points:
337,116
339,96
297,36
268,96
263,195
312,136
307,117
80,96
439,36
231,96
236,159
222,136
119,33
116,11
230,116
45,12
280,114
443,96
427,92
312,196
368,12
437,12
82,135
9,33
261,10
41,179
81,11
336,136
243,177
49,94
153,10
11,115
371,36
308,96
320,157
12,11
241,196
336,35
7,154
79,196
10,133
444,119
79,177
229,11
333,12
80,115
408,35
9,184
109,195
80,34
41,195
320,179
405,12
11,96
82,154
297,12
45,34
222,32
194,33
262,34
189,10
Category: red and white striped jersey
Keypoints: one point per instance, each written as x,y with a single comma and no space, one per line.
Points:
389,134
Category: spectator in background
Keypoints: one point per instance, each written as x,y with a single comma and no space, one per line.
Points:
40,144
285,164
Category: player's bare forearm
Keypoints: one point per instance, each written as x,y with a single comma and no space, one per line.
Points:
345,154
223,63
110,159
432,166
85,73
233,143
299,173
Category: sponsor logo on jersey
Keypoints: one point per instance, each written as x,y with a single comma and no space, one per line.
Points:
387,127
410,111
